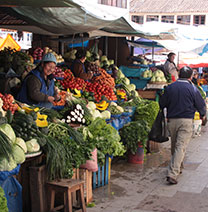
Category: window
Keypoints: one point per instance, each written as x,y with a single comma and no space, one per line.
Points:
167,18
184,19
199,19
137,19
152,18
114,3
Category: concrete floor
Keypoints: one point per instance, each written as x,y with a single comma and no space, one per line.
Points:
143,188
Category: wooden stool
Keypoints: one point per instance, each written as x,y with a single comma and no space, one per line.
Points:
67,186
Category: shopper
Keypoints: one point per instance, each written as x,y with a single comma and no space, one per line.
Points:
181,99
78,67
38,87
170,67
195,76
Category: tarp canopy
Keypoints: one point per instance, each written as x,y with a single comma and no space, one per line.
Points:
68,17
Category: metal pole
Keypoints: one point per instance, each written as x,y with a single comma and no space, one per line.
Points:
116,52
153,51
132,47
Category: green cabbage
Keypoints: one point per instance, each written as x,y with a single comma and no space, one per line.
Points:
91,105
6,165
18,154
104,58
106,114
7,129
21,143
32,145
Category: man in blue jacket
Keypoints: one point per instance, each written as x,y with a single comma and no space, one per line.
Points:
182,99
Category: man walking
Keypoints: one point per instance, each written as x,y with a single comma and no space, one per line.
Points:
182,99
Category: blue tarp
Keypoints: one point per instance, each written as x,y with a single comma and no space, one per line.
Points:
12,189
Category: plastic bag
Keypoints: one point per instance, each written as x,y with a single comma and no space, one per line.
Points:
159,131
91,165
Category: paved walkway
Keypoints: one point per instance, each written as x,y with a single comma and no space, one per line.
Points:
143,188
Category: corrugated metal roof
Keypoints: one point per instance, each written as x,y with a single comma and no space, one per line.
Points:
168,6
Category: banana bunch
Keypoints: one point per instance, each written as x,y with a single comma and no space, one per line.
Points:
121,93
102,105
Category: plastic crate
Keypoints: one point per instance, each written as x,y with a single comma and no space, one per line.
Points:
102,176
140,83
132,72
205,88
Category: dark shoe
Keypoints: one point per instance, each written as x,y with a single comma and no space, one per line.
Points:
181,171
172,180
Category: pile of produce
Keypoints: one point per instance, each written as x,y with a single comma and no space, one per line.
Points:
90,66
16,60
104,79
105,138
158,76
133,133
96,88
146,110
7,102
105,63
147,74
58,72
70,56
38,54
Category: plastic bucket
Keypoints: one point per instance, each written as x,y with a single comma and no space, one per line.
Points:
137,158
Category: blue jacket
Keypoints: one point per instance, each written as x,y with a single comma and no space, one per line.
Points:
23,97
182,99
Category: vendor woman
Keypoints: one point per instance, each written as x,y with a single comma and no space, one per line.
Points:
38,87
78,67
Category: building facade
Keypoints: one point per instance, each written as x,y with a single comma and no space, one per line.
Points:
187,12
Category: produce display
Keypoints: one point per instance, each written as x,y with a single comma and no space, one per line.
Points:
16,60
158,76
80,122
38,54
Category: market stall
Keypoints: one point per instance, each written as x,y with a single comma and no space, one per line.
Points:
100,114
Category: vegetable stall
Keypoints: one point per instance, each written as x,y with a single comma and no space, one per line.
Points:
105,114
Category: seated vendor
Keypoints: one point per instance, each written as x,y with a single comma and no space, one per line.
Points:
78,68
38,86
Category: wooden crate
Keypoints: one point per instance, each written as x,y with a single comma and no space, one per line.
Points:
38,191
86,175
147,94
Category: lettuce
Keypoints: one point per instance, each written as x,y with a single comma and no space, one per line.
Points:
7,129
32,145
21,143
7,165
18,154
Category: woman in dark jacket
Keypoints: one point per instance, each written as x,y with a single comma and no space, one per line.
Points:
78,68
38,87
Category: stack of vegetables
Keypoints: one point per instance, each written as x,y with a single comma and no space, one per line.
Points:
98,90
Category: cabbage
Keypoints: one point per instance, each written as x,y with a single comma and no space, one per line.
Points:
113,103
104,58
120,109
126,81
131,87
32,145
111,62
7,129
88,54
96,114
91,105
120,74
18,153
21,143
6,165
106,114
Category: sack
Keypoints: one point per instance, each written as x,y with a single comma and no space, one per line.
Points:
159,131
91,165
